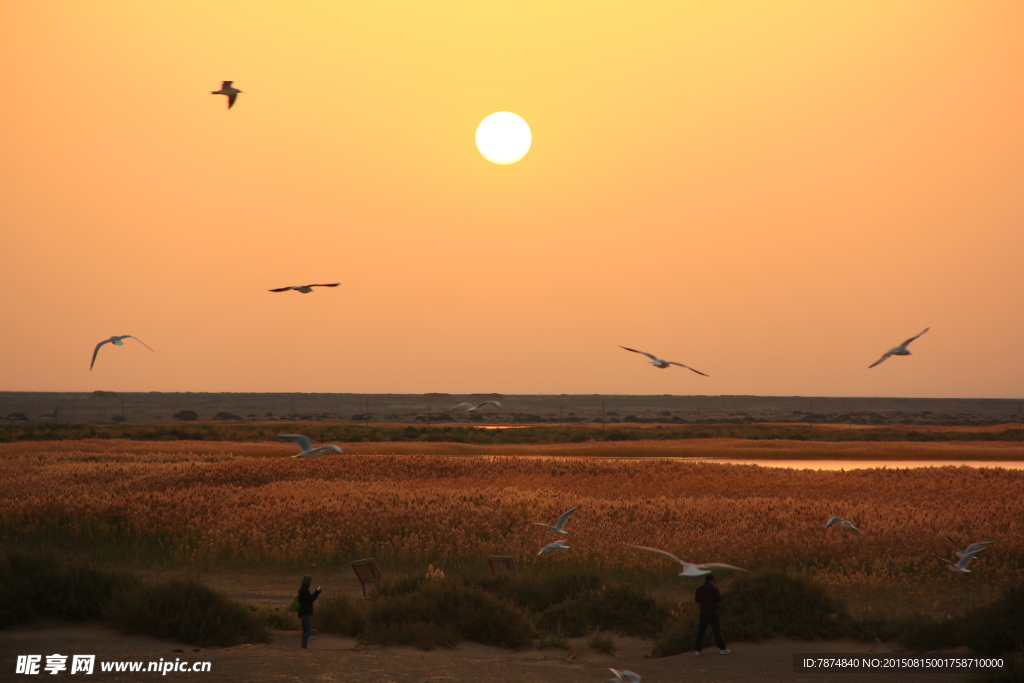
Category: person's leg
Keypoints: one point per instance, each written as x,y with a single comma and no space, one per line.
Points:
717,630
307,628
701,630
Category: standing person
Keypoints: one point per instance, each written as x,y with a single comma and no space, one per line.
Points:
708,597
306,608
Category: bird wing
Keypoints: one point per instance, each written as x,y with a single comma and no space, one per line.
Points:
659,552
719,565
225,84
643,352
461,405
128,336
904,344
335,284
887,354
833,520
672,362
231,99
966,560
976,548
942,560
97,350
959,549
280,289
301,439
564,517
481,405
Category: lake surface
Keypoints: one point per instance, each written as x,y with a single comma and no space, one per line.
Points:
865,464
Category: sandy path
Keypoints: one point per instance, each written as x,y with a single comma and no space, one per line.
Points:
332,658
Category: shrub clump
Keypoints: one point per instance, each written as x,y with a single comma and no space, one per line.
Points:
618,608
994,628
442,613
339,615
600,642
759,606
537,592
184,610
42,586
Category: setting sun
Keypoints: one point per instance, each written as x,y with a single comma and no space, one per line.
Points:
503,138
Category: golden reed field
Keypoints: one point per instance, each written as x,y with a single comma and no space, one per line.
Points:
204,504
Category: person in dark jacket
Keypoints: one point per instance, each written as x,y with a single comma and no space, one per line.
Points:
306,600
708,597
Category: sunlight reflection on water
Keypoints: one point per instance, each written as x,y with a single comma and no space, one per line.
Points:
865,464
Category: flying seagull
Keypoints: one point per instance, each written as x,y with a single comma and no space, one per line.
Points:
470,408
227,89
846,524
659,363
960,566
557,545
307,448
305,289
689,568
557,528
900,350
972,549
624,675
116,340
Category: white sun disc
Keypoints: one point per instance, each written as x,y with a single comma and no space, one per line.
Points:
503,138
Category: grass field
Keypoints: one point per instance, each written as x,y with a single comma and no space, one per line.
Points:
203,504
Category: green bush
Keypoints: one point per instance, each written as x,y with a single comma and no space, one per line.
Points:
757,606
441,613
279,619
994,628
601,643
339,615
41,586
618,608
186,611
553,640
537,592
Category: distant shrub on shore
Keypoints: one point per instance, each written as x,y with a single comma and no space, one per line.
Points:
187,611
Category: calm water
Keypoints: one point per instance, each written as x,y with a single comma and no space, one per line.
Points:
866,464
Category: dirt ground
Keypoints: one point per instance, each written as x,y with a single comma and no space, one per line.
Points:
333,658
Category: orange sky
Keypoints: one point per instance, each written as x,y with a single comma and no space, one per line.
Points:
772,192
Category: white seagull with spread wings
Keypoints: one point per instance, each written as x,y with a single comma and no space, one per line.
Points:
900,350
624,676
846,524
470,408
557,528
305,289
307,448
961,565
972,549
557,545
659,363
116,340
227,89
689,568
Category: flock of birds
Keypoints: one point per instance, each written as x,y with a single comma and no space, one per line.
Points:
966,555
228,90
659,363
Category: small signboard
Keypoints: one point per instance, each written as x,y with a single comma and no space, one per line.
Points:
368,572
502,565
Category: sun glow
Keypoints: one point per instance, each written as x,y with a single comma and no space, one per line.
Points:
503,138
